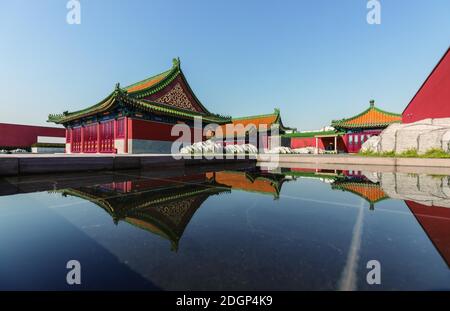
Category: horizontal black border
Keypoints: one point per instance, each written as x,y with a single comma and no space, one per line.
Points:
284,300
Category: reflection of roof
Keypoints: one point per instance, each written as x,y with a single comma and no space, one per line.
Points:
313,173
370,118
265,184
133,97
253,123
165,211
435,221
372,193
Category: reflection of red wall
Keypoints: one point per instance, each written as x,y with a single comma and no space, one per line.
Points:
435,221
150,130
433,98
15,135
149,184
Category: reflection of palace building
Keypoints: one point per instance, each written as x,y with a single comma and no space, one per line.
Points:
348,181
369,191
264,183
165,206
430,192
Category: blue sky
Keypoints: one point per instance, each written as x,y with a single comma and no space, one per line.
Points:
316,60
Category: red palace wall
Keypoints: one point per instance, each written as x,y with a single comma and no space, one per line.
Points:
15,135
302,142
433,98
150,130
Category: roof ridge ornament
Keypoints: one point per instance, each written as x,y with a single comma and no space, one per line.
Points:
372,103
176,62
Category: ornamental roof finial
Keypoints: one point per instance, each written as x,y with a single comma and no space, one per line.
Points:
372,103
176,61
117,86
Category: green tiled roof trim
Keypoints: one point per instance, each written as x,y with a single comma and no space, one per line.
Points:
116,97
310,175
68,116
166,109
168,77
365,125
135,99
276,113
346,122
165,73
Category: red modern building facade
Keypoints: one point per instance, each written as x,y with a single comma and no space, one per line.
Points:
432,100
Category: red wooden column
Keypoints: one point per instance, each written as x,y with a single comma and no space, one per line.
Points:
98,137
114,135
125,139
82,139
70,139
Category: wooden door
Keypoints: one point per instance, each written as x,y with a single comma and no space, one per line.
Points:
107,136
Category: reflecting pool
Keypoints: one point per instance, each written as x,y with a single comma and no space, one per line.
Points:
239,228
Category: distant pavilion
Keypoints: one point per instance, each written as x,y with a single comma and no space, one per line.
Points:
348,135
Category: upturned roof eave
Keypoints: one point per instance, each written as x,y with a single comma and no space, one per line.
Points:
169,76
345,123
142,104
92,110
362,126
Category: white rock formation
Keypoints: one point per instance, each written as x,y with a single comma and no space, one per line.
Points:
202,147
244,148
280,150
305,150
421,135
372,144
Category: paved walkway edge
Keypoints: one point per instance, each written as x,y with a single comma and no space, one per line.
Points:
356,160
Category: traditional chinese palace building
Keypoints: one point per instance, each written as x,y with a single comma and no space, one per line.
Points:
261,128
137,118
165,206
361,127
349,134
161,206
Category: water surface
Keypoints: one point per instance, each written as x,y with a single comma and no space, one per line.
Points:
235,229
